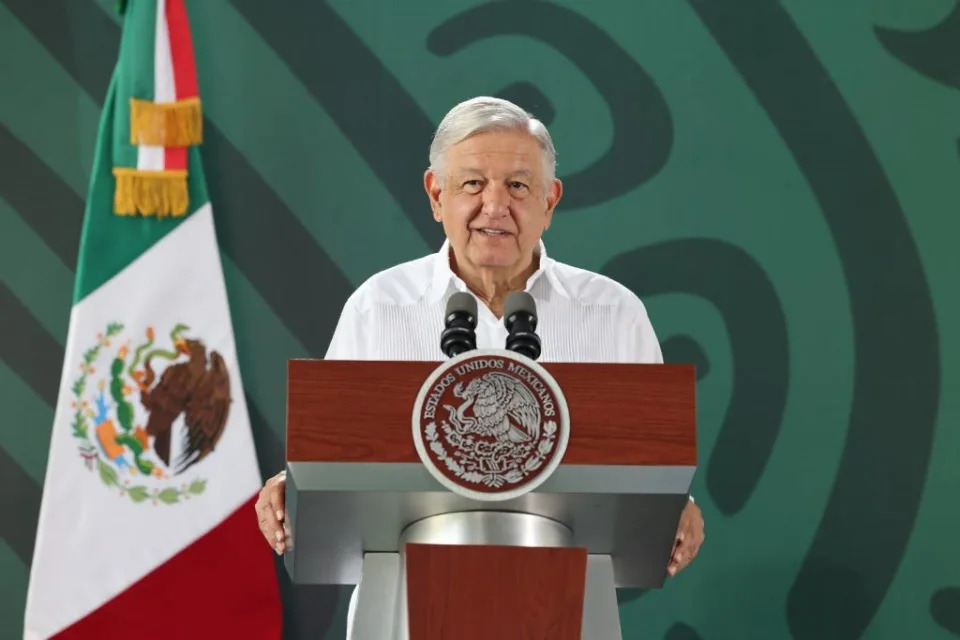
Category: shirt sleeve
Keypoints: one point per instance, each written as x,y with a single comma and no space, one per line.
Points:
646,345
348,340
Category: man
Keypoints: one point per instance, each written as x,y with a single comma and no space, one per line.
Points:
491,184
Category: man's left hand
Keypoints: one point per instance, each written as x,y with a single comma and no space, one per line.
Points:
689,538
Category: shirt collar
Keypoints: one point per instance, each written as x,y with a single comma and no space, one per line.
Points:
443,275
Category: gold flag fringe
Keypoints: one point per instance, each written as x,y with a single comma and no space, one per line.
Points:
150,193
166,124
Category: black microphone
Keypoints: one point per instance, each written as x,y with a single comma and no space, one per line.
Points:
460,321
520,318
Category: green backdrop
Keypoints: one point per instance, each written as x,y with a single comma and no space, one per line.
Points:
779,181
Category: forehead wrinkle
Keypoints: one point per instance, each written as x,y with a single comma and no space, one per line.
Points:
477,171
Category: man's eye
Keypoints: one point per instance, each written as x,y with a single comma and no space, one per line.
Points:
471,185
517,185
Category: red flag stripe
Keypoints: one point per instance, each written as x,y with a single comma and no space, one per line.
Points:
221,586
175,158
184,70
181,50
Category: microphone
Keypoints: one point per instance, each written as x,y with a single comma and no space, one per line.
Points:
460,321
520,318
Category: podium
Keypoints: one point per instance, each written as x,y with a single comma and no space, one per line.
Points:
435,564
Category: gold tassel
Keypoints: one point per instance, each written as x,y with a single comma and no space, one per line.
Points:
166,124
150,193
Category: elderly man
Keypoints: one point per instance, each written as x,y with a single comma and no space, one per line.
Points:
491,184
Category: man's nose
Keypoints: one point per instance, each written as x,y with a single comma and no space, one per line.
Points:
496,199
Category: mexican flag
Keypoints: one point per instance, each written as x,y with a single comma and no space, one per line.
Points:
147,526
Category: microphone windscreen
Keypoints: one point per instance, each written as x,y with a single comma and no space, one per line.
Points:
519,301
461,301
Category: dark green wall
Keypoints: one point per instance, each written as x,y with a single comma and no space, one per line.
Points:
779,181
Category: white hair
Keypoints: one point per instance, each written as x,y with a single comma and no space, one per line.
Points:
483,114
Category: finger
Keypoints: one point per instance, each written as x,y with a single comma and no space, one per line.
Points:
678,541
287,536
276,501
270,528
679,560
680,544
269,525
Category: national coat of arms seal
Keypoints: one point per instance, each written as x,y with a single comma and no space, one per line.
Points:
491,424
142,393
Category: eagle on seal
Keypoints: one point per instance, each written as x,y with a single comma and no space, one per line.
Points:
503,408
198,388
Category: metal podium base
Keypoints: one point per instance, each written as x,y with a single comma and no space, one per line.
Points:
379,611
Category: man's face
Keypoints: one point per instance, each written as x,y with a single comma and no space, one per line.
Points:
493,200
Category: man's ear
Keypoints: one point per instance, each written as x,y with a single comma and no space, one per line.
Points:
433,185
554,193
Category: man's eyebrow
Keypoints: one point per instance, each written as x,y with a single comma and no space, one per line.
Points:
472,171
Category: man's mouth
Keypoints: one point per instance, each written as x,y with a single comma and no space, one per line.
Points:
492,232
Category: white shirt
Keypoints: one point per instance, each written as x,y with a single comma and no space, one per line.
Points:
397,314
582,316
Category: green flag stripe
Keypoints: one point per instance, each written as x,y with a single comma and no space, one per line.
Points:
133,75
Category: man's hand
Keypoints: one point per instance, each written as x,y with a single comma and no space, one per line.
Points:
273,522
689,539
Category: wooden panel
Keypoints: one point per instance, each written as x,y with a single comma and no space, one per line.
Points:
484,592
621,414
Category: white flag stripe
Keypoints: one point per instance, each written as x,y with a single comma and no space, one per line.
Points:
164,89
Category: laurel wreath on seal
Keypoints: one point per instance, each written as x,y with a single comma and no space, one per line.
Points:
465,462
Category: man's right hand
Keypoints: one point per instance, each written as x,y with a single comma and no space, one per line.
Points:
270,514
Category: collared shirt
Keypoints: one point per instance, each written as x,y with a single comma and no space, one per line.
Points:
397,314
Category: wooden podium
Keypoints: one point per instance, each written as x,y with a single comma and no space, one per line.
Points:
438,565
